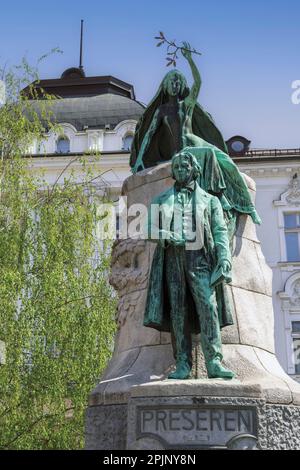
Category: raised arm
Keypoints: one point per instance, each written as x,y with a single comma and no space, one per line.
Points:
191,99
146,141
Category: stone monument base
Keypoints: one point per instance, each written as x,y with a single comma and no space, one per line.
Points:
208,414
195,414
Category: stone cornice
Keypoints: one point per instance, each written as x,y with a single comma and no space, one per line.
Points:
259,169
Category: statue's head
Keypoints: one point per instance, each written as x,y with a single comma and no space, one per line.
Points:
185,167
174,83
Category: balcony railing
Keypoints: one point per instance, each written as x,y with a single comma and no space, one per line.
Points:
273,153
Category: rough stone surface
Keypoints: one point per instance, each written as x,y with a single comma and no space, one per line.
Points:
283,427
277,427
144,356
106,427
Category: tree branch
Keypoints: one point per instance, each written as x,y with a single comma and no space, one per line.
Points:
172,49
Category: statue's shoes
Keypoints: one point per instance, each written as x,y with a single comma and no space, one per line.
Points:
182,372
215,370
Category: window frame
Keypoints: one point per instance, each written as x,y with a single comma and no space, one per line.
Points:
295,230
64,138
295,335
128,134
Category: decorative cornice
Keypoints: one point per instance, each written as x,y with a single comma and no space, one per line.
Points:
111,160
260,170
289,266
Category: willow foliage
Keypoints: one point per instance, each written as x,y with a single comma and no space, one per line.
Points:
56,306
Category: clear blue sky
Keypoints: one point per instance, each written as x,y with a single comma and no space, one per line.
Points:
251,52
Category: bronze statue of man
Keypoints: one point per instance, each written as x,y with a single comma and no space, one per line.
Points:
192,261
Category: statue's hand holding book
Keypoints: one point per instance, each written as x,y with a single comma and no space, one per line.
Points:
222,273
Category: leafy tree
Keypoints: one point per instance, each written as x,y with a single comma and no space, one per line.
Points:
56,306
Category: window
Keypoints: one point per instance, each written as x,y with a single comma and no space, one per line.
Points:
292,236
63,145
127,141
238,146
117,226
296,345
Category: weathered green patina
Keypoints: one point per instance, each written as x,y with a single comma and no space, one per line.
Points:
192,261
174,121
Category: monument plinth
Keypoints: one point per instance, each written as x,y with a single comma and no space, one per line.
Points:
136,407
196,414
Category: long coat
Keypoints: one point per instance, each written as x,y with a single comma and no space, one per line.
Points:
211,235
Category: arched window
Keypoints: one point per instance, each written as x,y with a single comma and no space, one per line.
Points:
63,145
127,141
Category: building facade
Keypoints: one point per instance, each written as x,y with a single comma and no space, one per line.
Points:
96,115
277,177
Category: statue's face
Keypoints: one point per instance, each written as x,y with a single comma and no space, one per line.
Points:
174,84
182,170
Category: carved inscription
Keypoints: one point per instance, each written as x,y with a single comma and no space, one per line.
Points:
203,425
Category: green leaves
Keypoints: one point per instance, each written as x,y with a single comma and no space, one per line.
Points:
57,308
173,48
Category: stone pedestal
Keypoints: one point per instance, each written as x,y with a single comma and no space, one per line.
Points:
208,414
136,375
